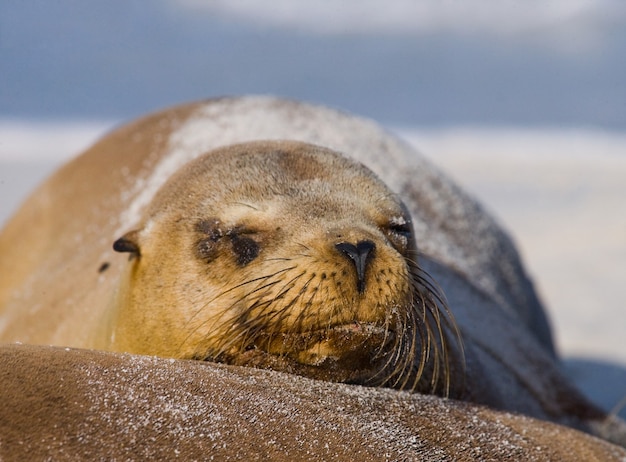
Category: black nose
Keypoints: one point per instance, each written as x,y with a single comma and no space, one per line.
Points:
360,255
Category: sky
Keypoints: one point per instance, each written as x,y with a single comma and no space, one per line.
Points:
421,63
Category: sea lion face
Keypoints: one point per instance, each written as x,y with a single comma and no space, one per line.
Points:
282,255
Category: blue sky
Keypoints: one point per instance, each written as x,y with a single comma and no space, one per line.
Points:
429,63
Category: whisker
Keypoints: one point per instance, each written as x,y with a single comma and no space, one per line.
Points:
229,321
231,289
270,319
427,324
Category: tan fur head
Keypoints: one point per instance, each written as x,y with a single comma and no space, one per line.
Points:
288,256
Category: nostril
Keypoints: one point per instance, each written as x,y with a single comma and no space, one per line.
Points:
361,249
360,255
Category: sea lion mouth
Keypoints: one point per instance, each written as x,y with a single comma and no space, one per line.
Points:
353,343
346,352
409,343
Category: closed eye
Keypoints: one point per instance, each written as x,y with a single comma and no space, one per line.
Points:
399,232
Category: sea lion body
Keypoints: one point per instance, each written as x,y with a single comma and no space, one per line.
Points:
63,283
94,405
74,217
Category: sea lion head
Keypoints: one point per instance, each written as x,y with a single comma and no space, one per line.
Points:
288,256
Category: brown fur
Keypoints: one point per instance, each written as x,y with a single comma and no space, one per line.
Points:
62,405
69,222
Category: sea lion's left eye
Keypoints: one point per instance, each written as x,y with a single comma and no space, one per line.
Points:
399,232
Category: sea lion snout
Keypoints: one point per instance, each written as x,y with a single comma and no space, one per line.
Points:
360,255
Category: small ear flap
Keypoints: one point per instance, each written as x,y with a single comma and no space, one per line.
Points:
129,242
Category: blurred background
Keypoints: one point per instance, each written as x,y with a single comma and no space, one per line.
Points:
556,63
523,103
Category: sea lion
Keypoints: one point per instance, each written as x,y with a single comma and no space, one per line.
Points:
94,405
286,255
229,244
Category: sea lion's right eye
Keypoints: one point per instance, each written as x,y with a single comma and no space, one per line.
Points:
215,238
245,248
207,249
207,246
211,228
